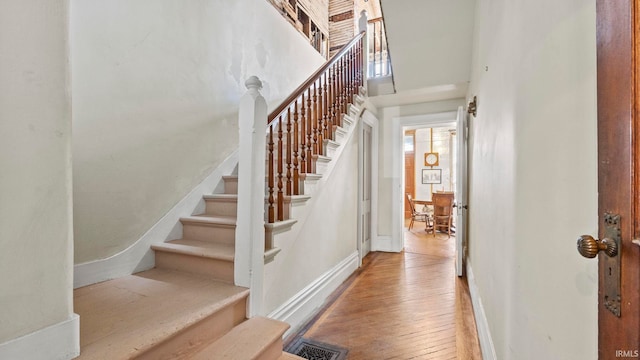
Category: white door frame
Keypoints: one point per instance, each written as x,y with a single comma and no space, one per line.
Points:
397,196
369,119
462,197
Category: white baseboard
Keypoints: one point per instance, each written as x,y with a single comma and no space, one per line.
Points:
484,334
60,341
383,243
139,256
302,306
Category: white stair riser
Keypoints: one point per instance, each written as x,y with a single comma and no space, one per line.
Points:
221,207
185,343
321,167
340,135
212,268
307,187
223,234
330,149
230,185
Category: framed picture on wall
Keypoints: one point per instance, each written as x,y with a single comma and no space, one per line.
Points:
431,176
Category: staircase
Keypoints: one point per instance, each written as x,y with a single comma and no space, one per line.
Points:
188,307
185,308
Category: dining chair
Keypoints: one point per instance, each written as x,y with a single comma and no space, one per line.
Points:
420,216
442,211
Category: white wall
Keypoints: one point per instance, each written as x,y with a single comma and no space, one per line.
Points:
326,236
156,86
442,142
35,177
533,176
429,41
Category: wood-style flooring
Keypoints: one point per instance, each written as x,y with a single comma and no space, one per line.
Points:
407,305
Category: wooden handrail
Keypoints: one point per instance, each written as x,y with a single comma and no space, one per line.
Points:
312,79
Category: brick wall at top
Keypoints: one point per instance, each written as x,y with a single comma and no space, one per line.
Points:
341,23
318,11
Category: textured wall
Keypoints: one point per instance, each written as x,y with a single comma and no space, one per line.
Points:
156,86
533,180
36,256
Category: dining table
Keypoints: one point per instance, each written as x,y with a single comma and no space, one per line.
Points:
428,226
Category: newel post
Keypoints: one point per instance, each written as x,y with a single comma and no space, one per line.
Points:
249,256
363,25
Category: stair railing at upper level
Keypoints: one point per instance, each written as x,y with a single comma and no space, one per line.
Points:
379,58
299,129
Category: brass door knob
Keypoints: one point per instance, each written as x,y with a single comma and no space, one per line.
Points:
589,247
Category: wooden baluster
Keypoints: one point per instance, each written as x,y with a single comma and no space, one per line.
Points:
313,125
345,84
340,83
334,100
357,68
288,153
270,177
336,96
359,64
340,90
304,113
310,116
317,122
280,157
343,87
296,176
349,79
326,118
352,73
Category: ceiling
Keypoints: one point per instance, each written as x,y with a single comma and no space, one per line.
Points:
430,43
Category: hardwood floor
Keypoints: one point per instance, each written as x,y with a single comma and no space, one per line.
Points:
407,305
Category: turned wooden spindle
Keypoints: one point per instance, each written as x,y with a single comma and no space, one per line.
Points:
335,100
326,112
304,110
317,101
270,176
296,145
309,136
288,154
280,159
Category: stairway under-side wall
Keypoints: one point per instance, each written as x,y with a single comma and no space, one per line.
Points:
187,306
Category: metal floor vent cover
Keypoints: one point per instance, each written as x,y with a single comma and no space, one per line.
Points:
314,350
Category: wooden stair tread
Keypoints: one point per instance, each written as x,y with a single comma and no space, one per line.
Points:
245,341
199,248
228,197
209,220
127,316
310,176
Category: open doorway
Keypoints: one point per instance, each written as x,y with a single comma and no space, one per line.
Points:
429,168
437,171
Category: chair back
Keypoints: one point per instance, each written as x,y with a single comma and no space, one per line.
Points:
410,199
442,204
